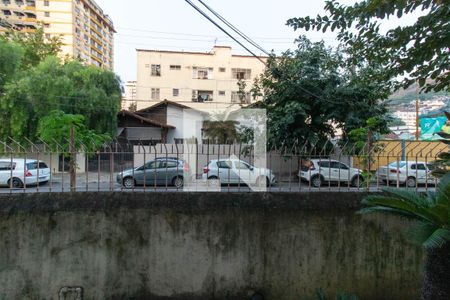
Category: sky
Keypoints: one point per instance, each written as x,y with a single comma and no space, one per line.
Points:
174,25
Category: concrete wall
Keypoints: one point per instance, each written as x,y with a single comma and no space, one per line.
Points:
201,246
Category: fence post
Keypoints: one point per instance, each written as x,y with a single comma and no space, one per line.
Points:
73,160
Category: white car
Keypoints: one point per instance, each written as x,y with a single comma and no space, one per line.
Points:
18,172
234,171
318,171
410,173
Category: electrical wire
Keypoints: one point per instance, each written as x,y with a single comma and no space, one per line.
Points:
240,33
223,30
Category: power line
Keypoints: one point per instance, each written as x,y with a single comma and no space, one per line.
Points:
222,29
240,33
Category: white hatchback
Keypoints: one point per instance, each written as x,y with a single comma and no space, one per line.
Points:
234,171
410,173
18,172
318,171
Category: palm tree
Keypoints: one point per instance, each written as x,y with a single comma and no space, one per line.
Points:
431,229
220,128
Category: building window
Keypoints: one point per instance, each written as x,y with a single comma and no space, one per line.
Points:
222,70
46,3
47,14
47,36
202,96
6,2
175,92
243,74
202,73
47,25
236,98
175,67
221,93
155,94
156,70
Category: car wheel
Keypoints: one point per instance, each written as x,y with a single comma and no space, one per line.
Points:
358,181
178,182
411,182
128,182
16,183
316,181
214,182
43,182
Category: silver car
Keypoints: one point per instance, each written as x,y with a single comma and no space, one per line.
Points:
410,173
159,172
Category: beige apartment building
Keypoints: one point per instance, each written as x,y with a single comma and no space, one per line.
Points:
201,80
129,96
87,32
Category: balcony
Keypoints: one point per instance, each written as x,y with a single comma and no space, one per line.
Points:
202,96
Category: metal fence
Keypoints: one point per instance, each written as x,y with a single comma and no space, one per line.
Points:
29,167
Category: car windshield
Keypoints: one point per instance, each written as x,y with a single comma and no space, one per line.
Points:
395,164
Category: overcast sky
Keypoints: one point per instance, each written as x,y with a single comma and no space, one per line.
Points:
174,25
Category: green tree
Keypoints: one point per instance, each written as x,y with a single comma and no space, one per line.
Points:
70,87
419,50
55,130
310,90
221,131
35,45
11,56
68,134
132,107
363,141
430,215
242,94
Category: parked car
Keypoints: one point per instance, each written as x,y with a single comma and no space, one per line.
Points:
18,172
318,171
410,173
161,171
234,171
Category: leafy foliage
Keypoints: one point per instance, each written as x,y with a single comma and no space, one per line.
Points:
310,90
54,129
11,56
132,107
221,131
69,87
431,213
419,50
34,45
34,82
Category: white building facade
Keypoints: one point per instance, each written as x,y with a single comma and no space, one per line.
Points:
196,79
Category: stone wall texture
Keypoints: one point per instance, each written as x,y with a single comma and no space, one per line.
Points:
202,246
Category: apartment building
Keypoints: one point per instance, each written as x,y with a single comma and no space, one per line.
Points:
129,96
87,32
201,80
